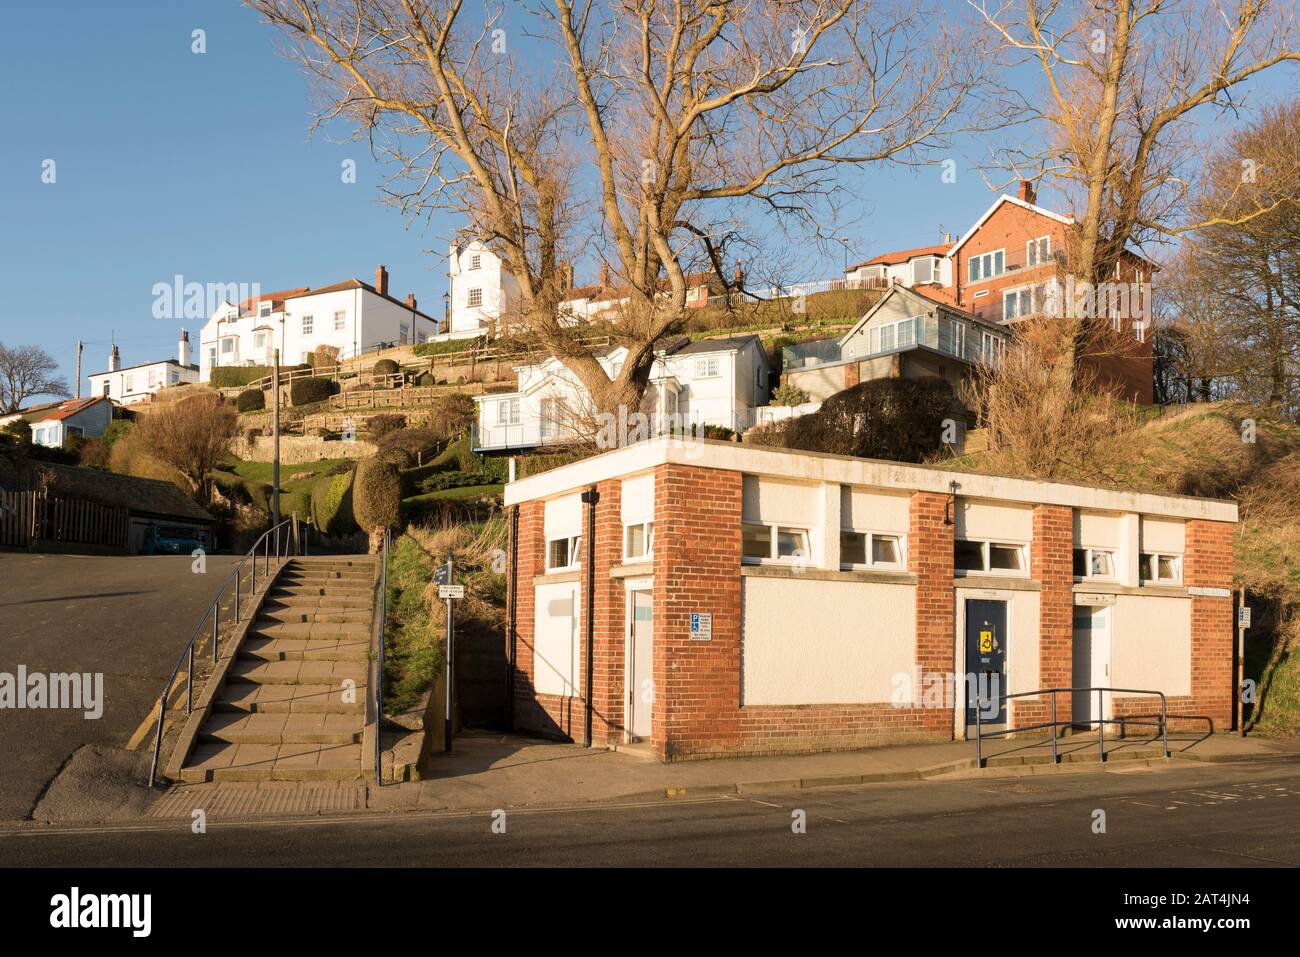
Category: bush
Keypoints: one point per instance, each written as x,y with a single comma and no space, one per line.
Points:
325,357
897,419
419,445
445,347
381,425
377,494
441,481
331,504
250,400
787,393
310,389
385,367
20,430
116,430
93,453
452,414
232,377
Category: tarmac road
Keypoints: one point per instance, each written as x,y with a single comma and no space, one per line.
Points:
126,617
1224,815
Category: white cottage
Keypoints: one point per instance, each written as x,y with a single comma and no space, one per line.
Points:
711,382
139,383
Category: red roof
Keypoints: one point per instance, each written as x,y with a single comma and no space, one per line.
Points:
70,408
902,256
275,298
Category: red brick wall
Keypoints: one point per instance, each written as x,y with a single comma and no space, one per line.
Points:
610,611
930,558
1051,564
1207,563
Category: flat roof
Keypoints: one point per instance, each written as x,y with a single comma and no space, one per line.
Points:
850,470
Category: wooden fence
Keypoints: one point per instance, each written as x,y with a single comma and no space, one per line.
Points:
35,515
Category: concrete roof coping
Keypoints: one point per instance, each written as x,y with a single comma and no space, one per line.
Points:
850,470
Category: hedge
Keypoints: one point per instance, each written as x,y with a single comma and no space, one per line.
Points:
310,389
445,347
233,377
250,400
331,504
385,367
377,494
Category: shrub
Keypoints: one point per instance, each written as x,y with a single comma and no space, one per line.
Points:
418,444
440,481
787,393
232,377
385,367
325,357
331,504
445,347
381,425
116,430
309,389
425,379
377,494
191,436
898,419
93,453
250,400
452,414
20,429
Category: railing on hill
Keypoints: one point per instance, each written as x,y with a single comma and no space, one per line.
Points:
981,701
287,541
381,615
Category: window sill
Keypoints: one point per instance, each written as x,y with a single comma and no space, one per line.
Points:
1149,589
985,580
785,570
558,575
633,569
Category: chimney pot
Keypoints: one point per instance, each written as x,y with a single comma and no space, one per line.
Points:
604,275
381,280
410,300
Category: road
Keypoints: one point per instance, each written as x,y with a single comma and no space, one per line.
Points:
1207,815
125,617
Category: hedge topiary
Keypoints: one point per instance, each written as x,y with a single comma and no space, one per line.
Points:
250,400
385,367
898,419
309,389
381,425
377,494
331,504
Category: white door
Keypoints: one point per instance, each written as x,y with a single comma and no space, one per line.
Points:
640,669
1091,664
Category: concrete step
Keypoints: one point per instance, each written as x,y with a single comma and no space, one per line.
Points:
226,761
334,648
291,728
297,672
362,596
313,600
315,578
307,630
278,612
299,698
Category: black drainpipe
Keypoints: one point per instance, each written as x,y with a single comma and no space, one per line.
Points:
590,497
512,583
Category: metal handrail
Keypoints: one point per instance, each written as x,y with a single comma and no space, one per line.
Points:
1100,722
286,536
381,619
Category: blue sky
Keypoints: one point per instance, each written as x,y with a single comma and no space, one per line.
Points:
170,163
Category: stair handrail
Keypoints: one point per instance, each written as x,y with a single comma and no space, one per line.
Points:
287,540
381,602
1100,722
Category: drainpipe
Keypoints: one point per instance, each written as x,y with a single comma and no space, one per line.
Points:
590,497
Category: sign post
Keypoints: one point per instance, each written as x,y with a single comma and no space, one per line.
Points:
1243,622
448,592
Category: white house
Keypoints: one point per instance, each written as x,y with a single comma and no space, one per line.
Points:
711,382
925,265
480,290
138,383
53,422
351,315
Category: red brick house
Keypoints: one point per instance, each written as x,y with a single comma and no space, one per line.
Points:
697,599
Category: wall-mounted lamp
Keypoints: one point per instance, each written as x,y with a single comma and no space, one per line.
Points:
950,507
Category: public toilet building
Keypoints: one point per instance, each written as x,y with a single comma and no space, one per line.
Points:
702,598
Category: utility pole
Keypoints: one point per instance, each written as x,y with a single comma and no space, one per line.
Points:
449,670
275,432
78,368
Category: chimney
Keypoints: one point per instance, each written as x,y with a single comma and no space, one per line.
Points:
410,301
740,275
114,360
1026,191
564,276
381,280
604,275
184,348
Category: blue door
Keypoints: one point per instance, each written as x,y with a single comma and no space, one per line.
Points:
986,659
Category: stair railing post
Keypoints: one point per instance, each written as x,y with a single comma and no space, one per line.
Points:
189,682
215,616
1055,759
1101,728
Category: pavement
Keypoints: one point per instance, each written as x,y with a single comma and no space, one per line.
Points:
1237,814
127,617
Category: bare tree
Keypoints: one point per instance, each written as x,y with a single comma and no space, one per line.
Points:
1125,84
646,134
27,371
192,436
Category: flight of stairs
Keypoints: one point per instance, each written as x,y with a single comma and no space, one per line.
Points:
293,707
